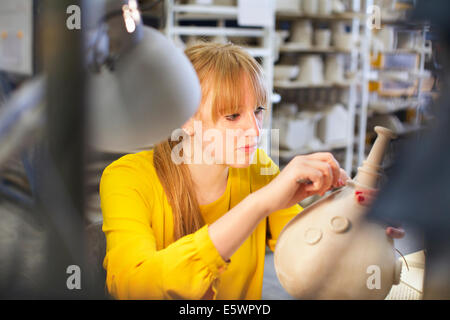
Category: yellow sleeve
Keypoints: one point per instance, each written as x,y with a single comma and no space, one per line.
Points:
277,221
135,268
264,172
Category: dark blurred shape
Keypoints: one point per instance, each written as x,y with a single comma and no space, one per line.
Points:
96,244
418,192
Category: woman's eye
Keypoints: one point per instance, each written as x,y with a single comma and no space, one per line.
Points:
232,117
259,109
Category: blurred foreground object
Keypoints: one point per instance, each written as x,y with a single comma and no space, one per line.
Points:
140,92
418,192
111,85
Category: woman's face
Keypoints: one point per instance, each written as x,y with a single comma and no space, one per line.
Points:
233,139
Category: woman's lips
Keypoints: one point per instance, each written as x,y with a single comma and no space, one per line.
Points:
248,148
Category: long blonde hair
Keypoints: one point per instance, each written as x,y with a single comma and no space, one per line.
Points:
221,69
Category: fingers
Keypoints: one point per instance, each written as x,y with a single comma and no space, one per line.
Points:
316,176
322,169
326,176
343,175
334,164
395,233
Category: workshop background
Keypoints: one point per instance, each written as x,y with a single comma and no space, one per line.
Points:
336,69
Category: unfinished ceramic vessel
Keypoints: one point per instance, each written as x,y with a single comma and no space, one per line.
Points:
331,251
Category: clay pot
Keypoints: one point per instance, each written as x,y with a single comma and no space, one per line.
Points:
331,251
311,69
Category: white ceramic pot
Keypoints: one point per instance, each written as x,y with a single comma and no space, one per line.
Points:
297,132
344,41
338,6
288,110
311,7
285,72
289,5
334,68
322,38
225,2
332,128
338,27
387,37
311,69
302,32
325,7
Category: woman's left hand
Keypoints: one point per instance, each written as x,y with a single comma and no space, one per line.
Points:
365,197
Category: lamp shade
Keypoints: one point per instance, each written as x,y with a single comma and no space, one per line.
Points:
152,90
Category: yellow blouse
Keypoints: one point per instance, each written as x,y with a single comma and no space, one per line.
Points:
143,262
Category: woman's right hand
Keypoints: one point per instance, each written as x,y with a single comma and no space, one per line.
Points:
284,191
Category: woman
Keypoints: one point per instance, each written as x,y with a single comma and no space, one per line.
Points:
190,219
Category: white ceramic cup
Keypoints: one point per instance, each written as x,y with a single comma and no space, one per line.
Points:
311,70
289,5
334,68
343,41
387,37
338,27
310,7
322,38
302,31
325,7
285,72
225,2
338,6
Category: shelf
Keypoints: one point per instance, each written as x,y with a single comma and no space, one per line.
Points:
214,31
204,12
398,75
335,16
402,22
292,153
392,105
258,52
285,84
296,47
207,9
404,51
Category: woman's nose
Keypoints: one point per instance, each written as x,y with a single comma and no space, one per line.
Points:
252,126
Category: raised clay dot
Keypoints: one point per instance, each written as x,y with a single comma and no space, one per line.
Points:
339,224
312,236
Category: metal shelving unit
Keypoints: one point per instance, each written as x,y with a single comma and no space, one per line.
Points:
175,13
392,105
359,67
